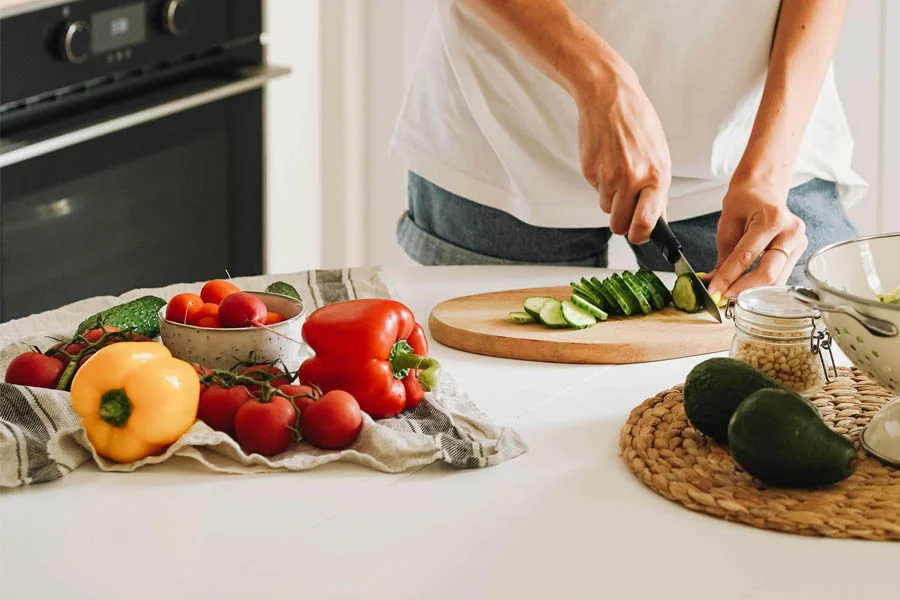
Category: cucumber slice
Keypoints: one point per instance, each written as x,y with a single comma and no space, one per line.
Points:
599,300
623,301
585,290
521,317
575,317
612,305
551,314
626,292
686,294
534,304
652,296
656,283
643,304
585,305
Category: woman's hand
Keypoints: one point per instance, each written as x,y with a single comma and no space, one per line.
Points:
624,153
756,224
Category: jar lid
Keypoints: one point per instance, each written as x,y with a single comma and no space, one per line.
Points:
773,301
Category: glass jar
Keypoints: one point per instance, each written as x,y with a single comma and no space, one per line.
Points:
780,337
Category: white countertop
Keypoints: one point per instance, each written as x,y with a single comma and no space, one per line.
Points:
565,520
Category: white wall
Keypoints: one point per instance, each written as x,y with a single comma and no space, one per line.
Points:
366,49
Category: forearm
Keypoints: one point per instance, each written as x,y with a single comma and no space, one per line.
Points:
805,39
555,40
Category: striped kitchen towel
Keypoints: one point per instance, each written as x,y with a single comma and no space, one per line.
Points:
41,439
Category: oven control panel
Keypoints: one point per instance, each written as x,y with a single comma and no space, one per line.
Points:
87,42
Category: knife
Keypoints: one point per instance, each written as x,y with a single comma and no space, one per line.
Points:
670,247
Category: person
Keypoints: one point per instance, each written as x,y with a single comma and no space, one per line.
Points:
534,130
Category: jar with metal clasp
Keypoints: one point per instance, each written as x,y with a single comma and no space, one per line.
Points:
782,338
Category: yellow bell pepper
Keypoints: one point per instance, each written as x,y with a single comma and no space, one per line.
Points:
135,399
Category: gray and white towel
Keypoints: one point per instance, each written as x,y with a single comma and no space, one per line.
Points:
41,439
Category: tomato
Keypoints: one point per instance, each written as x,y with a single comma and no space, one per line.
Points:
35,370
201,371
183,307
302,395
213,292
275,376
272,318
265,427
206,310
333,421
211,322
218,406
242,309
94,335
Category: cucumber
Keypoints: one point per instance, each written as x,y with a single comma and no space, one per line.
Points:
601,301
575,317
612,307
283,288
619,285
138,315
687,293
656,301
622,301
656,283
551,314
521,317
643,304
534,304
586,305
586,291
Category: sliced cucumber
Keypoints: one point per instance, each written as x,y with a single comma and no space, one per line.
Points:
521,317
622,301
643,304
551,314
584,290
575,317
656,283
585,305
612,307
687,293
652,296
599,300
534,304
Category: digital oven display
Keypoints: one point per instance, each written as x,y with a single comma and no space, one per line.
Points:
118,27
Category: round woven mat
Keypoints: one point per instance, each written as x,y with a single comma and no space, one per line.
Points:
678,462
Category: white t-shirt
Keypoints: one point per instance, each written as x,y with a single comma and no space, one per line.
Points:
483,123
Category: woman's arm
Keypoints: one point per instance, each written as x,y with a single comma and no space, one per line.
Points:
624,154
755,216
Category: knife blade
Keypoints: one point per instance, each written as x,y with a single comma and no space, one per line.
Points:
671,248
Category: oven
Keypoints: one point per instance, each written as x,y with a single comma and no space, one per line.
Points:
131,146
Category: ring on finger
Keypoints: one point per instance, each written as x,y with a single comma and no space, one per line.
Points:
787,254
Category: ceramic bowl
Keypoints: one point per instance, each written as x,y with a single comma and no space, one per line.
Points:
222,348
845,281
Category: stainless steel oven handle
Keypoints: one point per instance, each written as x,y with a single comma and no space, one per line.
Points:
254,77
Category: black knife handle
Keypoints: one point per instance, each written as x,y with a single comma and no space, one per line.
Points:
666,241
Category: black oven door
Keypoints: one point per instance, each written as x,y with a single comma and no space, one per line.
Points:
164,189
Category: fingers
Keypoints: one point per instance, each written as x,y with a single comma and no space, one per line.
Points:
776,264
651,203
741,258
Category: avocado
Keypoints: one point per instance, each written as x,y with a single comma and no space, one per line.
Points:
139,315
714,389
776,438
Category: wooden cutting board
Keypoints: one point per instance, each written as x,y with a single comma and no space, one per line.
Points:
481,324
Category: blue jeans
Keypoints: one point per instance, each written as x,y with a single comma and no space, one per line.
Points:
441,228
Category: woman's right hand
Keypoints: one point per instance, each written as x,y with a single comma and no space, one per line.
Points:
624,153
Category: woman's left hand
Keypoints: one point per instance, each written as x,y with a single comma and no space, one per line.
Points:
756,224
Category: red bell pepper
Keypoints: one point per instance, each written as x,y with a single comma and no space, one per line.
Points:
374,350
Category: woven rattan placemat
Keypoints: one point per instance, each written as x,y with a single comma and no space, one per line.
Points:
675,460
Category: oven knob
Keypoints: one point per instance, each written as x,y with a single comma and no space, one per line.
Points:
178,16
75,44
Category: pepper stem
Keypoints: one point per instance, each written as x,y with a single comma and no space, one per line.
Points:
115,408
403,359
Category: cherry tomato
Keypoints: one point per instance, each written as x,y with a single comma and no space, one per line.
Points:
94,335
35,370
215,291
242,309
218,406
265,427
275,376
206,310
183,307
333,421
302,395
272,318
211,322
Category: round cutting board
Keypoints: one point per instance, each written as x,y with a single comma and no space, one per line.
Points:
480,324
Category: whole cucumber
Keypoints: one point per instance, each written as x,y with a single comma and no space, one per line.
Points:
140,315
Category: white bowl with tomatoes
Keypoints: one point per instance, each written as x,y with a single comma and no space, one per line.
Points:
224,325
